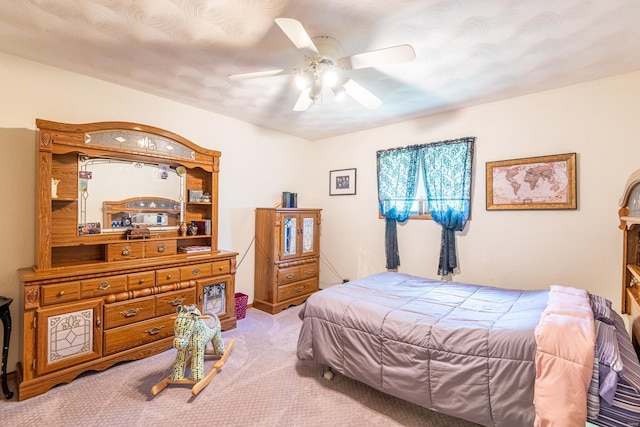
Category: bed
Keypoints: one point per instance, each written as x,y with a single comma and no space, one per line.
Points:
479,353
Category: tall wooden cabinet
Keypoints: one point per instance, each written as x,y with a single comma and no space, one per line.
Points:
630,225
287,252
98,294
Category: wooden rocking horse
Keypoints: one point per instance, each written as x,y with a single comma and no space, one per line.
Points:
191,337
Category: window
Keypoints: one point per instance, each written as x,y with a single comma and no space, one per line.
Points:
439,173
419,205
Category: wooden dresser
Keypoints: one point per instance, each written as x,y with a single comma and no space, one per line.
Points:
96,295
287,257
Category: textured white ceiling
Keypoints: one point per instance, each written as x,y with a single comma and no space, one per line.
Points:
467,51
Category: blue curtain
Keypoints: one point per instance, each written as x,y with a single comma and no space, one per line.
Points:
447,175
397,182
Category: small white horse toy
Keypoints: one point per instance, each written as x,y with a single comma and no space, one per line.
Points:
191,337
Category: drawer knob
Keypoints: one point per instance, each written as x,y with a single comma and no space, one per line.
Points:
196,271
104,286
161,247
60,293
130,313
126,250
169,276
299,289
290,276
155,330
140,282
308,272
221,268
98,321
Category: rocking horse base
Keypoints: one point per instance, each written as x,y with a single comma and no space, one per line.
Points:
197,385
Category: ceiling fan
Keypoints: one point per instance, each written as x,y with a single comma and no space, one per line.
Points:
322,78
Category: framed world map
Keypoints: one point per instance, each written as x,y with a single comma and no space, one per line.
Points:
546,182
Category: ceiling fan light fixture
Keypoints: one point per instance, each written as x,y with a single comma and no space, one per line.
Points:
330,77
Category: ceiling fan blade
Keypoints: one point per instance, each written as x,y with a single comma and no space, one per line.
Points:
258,74
304,101
298,35
362,95
374,58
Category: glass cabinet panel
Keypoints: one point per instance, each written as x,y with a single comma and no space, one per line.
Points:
307,235
289,236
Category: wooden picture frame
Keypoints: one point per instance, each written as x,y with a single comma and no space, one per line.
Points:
342,182
545,182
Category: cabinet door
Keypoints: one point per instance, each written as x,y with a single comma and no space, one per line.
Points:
68,335
309,232
289,236
216,295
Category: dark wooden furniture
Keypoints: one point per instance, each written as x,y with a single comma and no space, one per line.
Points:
287,257
95,299
5,315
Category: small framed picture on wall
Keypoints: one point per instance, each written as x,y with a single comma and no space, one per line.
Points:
342,182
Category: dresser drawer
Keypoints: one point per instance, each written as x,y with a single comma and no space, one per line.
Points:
103,286
195,271
307,271
126,312
146,279
61,292
288,275
296,289
160,248
169,302
167,276
220,267
124,251
130,336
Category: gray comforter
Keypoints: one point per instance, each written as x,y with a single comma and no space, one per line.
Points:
459,349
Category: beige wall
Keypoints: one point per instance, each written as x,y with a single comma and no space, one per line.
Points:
522,249
528,249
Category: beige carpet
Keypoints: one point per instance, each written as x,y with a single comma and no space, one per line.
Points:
262,384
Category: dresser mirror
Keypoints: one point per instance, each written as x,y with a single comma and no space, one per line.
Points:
115,194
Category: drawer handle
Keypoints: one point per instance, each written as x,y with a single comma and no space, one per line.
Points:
60,293
104,286
126,250
196,271
169,276
98,321
221,268
131,313
308,272
299,289
155,330
290,276
140,282
176,302
161,247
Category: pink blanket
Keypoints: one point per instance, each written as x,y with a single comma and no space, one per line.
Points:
565,339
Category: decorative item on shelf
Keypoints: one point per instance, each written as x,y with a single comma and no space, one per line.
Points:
193,229
89,228
195,195
138,232
54,188
183,228
206,198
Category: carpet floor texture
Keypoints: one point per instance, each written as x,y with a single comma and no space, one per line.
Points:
261,384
